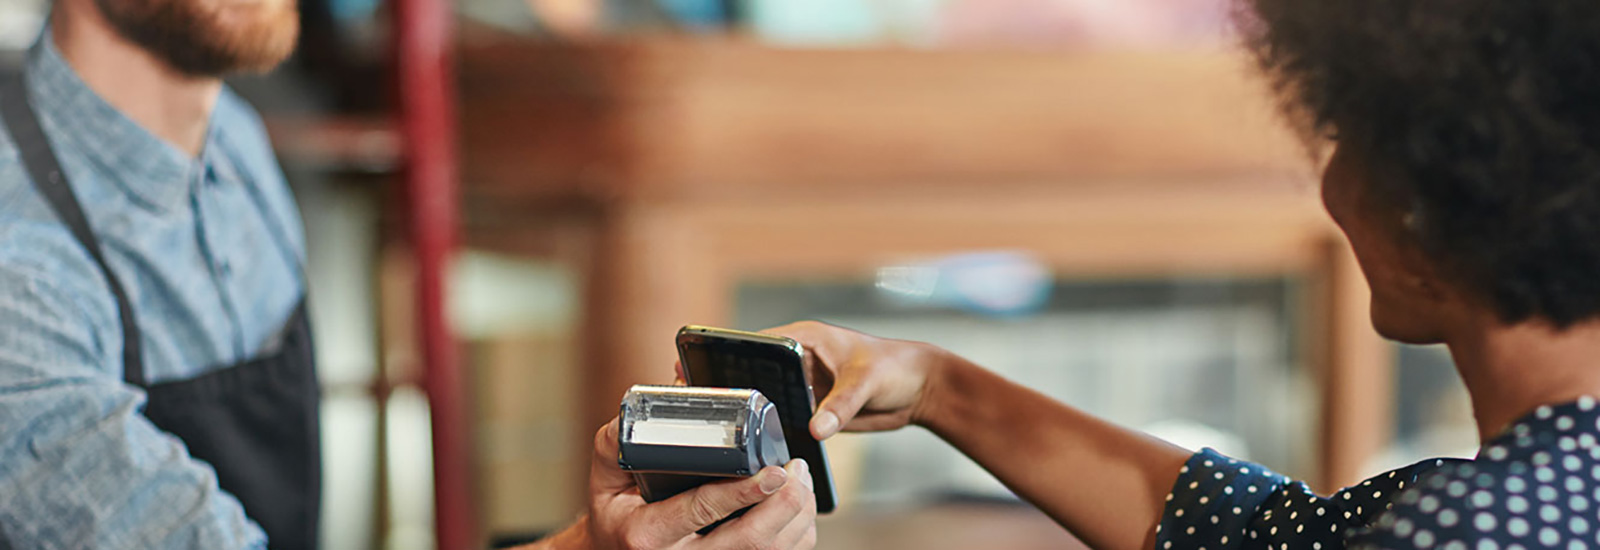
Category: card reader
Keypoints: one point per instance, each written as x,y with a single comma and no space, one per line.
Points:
676,438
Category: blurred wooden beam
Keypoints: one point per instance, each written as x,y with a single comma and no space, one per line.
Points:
717,116
1355,371
337,144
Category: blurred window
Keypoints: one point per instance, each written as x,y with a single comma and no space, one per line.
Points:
1200,362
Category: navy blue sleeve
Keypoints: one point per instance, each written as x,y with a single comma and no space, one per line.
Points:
1224,503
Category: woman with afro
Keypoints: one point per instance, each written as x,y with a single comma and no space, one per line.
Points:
1463,164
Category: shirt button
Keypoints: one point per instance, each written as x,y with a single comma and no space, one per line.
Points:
208,175
225,268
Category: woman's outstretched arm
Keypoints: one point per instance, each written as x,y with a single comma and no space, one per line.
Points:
1106,484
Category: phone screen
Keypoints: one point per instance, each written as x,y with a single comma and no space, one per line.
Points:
729,359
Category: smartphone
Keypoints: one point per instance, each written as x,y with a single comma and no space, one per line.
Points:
772,365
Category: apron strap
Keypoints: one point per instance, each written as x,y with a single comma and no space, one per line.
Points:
51,181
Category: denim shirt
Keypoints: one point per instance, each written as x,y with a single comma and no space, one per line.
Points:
209,249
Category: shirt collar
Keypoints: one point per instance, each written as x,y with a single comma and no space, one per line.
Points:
1577,421
152,171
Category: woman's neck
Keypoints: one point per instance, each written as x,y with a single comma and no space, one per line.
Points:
1512,369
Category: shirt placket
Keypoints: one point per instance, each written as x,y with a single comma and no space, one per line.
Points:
218,255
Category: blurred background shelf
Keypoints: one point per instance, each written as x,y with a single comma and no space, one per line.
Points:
676,117
346,144
674,178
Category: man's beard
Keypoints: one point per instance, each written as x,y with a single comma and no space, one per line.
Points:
196,37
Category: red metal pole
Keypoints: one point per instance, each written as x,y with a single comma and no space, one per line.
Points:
427,125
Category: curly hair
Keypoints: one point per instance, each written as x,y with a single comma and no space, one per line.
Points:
1486,113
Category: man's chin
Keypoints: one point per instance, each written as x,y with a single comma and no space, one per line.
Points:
255,16
257,6
259,35
265,59
249,36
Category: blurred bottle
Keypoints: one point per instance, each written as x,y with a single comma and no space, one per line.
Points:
997,283
1090,23
984,23
699,15
816,22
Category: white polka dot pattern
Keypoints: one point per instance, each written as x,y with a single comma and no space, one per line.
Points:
1535,486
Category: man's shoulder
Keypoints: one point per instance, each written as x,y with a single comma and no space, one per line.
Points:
40,248
19,201
10,160
43,272
34,244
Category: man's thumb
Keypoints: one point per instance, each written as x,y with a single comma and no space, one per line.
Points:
707,504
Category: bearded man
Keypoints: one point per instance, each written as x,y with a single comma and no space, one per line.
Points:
157,388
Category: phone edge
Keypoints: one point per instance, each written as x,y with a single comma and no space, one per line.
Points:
774,339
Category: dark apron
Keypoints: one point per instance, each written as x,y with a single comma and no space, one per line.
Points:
254,422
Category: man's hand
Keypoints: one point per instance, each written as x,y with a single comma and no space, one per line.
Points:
870,383
784,516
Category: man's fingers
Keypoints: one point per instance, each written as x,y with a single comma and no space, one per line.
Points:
800,534
605,441
795,534
795,502
682,515
605,476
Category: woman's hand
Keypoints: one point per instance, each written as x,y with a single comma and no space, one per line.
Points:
870,383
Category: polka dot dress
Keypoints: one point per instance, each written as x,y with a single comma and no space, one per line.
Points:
1535,486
